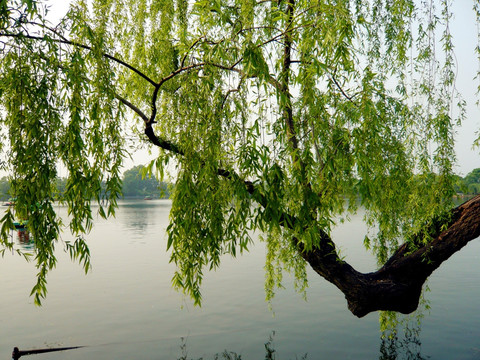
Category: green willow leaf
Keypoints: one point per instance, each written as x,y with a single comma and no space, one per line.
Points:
281,117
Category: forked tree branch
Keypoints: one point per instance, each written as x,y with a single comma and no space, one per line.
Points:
397,285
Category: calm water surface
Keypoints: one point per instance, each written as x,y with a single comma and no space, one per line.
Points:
125,307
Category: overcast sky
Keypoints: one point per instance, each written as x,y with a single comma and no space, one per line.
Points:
464,31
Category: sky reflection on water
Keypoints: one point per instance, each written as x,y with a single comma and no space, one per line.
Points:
126,309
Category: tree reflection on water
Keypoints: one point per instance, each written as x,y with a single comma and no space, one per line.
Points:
400,337
24,240
270,352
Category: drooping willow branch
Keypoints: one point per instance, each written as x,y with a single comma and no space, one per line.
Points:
83,46
397,285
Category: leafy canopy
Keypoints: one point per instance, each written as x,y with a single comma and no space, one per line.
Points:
277,115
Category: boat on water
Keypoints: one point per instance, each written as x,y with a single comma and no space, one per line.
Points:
22,224
10,202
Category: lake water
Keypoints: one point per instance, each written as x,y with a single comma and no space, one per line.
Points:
125,307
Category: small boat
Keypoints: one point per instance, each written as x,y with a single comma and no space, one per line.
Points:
10,202
147,198
20,224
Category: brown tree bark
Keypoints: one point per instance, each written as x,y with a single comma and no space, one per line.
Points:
397,285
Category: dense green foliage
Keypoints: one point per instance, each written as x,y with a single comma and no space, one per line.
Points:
275,114
471,182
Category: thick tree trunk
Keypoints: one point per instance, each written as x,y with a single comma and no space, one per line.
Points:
398,284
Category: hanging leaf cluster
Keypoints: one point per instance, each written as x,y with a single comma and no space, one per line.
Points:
278,117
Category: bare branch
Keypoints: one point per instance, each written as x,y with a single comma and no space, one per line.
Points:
350,98
182,64
86,47
133,107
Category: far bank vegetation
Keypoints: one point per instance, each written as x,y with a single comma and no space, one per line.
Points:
136,184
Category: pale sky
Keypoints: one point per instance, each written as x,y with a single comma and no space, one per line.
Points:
464,31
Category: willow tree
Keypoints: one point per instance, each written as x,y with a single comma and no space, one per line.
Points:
280,117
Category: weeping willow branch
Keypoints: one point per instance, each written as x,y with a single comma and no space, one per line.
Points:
82,46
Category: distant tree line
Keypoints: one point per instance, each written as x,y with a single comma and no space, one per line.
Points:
470,184
135,185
